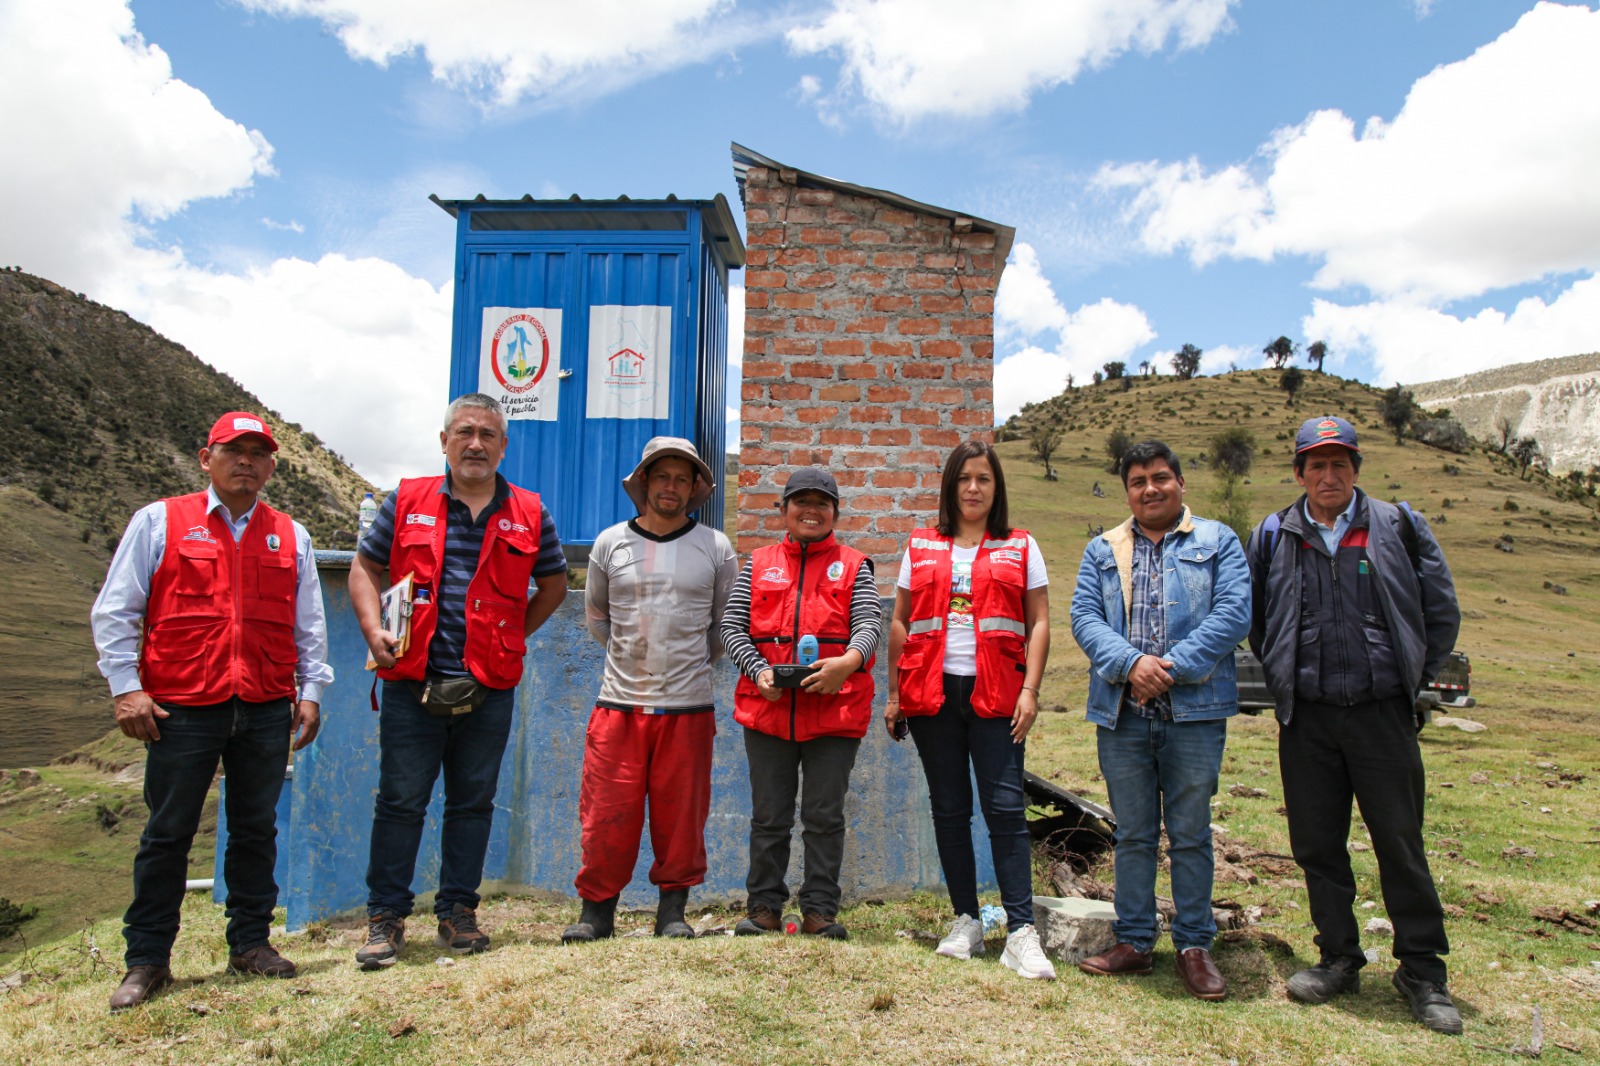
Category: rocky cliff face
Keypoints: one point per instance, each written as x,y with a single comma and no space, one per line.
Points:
1554,401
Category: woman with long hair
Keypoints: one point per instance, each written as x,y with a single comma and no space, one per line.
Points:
967,650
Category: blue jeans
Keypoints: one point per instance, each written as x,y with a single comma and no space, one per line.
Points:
1157,769
252,742
414,745
948,743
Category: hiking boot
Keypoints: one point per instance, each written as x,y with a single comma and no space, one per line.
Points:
262,960
814,924
669,914
964,940
757,920
458,931
1328,978
386,938
597,922
1024,955
1430,1002
138,985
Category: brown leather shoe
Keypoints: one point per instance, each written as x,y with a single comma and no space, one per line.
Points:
815,924
262,960
1200,975
760,919
138,985
1122,960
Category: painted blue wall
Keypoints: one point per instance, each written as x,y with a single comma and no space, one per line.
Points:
889,844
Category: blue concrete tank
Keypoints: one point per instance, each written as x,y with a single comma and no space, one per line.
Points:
599,324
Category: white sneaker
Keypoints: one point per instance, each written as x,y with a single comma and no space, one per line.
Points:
1024,955
964,940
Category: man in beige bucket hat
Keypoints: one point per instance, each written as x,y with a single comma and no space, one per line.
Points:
654,598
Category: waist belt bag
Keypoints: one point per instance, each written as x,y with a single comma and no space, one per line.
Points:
448,697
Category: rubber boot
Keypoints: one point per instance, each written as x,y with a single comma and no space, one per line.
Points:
597,922
669,914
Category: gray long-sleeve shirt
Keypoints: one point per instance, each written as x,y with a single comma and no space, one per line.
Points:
655,604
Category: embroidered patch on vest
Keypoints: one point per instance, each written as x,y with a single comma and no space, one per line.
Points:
508,526
1006,555
200,533
835,570
273,542
774,575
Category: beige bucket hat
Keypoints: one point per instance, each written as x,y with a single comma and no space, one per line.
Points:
673,448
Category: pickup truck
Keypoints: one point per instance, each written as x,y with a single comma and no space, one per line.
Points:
1451,687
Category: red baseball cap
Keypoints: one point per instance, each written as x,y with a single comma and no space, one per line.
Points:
237,424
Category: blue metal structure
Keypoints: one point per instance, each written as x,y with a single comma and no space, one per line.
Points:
574,255
534,846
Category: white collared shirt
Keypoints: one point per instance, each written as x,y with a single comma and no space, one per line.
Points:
1332,537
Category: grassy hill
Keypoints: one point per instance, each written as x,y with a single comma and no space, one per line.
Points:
99,415
1513,834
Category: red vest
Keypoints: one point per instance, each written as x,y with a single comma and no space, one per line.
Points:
797,589
497,597
999,581
220,619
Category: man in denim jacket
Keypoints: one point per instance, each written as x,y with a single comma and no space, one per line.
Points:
1161,602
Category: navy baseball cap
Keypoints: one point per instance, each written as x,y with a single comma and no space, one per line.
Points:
1317,432
811,479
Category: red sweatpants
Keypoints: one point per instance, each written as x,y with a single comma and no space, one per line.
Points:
627,757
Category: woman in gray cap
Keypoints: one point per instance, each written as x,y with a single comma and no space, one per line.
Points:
807,599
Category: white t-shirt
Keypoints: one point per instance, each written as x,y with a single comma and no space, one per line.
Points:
960,636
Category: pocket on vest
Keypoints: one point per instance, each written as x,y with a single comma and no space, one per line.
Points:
175,661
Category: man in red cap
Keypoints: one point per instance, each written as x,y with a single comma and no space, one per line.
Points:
211,634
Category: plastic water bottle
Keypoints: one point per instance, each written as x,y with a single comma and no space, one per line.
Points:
992,918
368,514
806,651
791,924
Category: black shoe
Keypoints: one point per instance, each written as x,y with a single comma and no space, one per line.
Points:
669,914
1430,1002
597,922
139,985
1328,978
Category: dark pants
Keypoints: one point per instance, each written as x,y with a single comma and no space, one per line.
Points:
948,742
414,745
1326,754
252,742
777,767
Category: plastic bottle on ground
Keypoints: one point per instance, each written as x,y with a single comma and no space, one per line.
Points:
368,514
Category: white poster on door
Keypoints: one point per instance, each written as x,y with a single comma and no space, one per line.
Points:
630,361
520,360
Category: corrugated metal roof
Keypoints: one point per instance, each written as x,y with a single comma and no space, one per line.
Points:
745,158
717,214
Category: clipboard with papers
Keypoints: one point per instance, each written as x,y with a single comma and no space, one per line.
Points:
394,607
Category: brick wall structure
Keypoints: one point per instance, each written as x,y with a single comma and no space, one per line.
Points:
868,350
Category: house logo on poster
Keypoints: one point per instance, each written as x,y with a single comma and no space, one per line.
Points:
630,353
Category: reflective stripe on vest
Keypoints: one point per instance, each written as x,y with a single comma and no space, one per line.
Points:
930,545
925,625
1004,625
1014,542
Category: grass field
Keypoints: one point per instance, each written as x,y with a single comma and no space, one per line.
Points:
1529,782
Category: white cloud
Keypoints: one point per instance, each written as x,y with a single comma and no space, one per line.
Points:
912,59
1410,342
510,50
290,226
1026,304
1483,180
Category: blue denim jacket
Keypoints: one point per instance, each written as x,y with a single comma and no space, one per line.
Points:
1208,614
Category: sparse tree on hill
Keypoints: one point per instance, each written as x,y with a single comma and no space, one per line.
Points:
1114,370
1525,451
1146,367
1098,377
1316,352
1186,364
1117,445
1280,352
1397,408
1069,382
1233,452
1290,381
1044,442
1508,433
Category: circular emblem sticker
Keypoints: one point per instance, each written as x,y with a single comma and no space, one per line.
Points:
505,525
520,353
835,570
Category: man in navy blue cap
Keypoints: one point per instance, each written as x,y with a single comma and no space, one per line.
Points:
1354,611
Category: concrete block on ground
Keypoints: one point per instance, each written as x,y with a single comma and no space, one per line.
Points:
1071,930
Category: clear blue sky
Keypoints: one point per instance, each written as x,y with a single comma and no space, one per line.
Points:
1410,181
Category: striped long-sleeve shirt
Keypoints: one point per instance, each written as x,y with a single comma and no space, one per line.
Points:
866,619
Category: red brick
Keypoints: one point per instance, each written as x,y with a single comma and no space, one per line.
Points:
893,216
795,301
893,438
812,281
838,216
921,458
895,479
749,477
802,215
941,349
976,239
792,435
869,279
753,456
876,545
765,279
864,459
971,416
759,501
751,432
765,235
749,390
869,414
810,456
868,236
843,347
892,303
983,305
939,304
755,301
872,324
987,436
766,195
850,479
974,372
939,261
793,346
820,235
896,523
925,502
757,257
983,349
817,414
933,481
856,371
813,324
852,523
872,503
941,438
927,281
763,324
918,326
847,393
763,369
917,416
984,263
921,370
813,196
895,260
752,413
748,522
845,257
749,543
755,346
810,370
972,327
982,396
789,392
935,394
979,282
844,302
888,393
841,436
892,349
